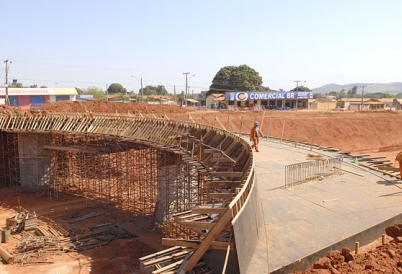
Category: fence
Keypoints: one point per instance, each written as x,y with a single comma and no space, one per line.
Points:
301,173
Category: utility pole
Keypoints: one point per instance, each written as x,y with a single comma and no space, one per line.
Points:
185,92
362,98
7,101
142,94
297,89
107,93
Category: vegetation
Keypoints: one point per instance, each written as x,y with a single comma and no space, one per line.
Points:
155,90
232,78
98,93
116,88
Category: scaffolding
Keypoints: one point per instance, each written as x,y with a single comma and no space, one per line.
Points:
178,174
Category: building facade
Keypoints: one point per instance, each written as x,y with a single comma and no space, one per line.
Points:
26,98
269,99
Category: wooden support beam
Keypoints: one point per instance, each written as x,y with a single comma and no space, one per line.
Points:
218,160
195,243
208,210
224,183
202,225
223,221
227,174
221,195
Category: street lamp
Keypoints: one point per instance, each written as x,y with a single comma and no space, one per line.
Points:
7,101
142,94
185,92
297,91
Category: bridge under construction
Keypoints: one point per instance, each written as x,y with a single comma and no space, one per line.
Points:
191,178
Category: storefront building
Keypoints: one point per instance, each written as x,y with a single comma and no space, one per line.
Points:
269,100
26,98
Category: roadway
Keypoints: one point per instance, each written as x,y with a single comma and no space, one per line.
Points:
308,221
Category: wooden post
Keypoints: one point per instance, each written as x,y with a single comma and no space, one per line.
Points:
269,127
357,244
312,138
297,135
383,239
283,129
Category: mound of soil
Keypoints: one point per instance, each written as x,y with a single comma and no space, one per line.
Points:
373,258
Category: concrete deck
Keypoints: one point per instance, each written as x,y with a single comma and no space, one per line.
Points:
313,217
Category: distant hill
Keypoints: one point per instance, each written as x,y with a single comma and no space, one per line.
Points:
391,88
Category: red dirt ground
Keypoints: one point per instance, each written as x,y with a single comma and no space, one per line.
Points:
374,133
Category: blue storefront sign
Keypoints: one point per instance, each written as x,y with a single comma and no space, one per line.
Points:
267,96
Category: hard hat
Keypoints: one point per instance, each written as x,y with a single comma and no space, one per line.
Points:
38,110
256,123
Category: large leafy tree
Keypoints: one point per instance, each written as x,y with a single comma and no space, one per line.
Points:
116,88
150,90
232,78
155,90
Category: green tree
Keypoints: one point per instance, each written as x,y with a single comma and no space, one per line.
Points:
116,88
301,88
98,93
15,85
352,92
317,95
161,90
378,95
150,90
79,91
33,86
241,78
203,94
334,93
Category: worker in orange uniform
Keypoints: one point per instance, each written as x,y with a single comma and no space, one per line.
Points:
398,158
40,113
255,136
91,115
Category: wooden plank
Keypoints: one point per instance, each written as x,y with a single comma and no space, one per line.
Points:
195,243
208,210
224,183
168,267
221,195
223,221
160,253
171,257
181,213
218,160
226,174
201,225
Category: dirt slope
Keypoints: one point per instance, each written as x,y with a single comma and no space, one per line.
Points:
356,132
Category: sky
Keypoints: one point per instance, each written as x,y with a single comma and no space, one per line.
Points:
90,43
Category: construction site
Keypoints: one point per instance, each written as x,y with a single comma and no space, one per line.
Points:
154,189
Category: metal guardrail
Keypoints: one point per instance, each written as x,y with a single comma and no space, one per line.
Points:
301,173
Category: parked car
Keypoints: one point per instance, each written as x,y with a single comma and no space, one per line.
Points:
339,108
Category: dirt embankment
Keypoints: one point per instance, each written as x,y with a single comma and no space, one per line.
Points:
357,132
